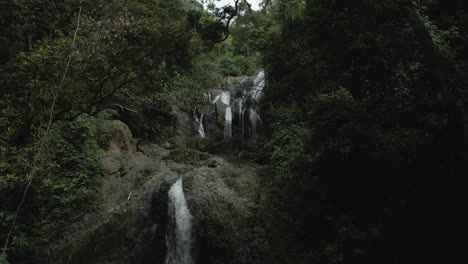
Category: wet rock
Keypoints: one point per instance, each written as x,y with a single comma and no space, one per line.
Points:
183,129
224,201
155,151
130,225
122,140
214,162
111,164
168,145
180,168
140,160
121,148
131,231
202,144
188,155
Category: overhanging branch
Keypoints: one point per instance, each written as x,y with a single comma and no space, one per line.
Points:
228,22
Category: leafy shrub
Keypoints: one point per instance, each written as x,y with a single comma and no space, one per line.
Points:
290,139
63,188
3,259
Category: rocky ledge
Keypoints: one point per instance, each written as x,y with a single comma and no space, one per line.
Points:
130,226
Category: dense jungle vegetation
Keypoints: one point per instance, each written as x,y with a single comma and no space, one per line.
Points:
365,114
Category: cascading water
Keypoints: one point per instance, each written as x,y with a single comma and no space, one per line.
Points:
257,87
256,94
226,98
228,123
241,108
201,129
241,119
253,118
178,235
241,102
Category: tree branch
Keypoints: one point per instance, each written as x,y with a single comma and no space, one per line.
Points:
228,22
119,106
116,88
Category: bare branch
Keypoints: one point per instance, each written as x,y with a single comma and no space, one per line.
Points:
228,22
119,106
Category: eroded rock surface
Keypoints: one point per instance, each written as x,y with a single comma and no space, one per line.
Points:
130,225
223,196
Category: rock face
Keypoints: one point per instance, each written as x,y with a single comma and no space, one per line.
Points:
223,197
130,227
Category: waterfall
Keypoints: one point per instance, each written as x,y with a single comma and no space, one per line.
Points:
241,100
241,118
228,123
201,129
178,235
226,98
216,99
257,87
253,118
241,106
256,95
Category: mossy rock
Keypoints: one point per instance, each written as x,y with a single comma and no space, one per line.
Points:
188,155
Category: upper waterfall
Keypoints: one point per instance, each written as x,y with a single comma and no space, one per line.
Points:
228,123
236,108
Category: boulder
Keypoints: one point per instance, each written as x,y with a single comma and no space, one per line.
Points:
188,155
132,231
154,150
122,140
214,162
168,145
223,198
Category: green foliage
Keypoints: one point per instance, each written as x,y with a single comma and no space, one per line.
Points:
240,53
290,10
441,37
226,59
289,141
121,50
64,185
357,135
335,117
235,65
3,259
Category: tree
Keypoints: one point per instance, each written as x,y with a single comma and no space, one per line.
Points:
219,28
375,97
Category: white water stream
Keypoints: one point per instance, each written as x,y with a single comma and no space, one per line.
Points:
179,232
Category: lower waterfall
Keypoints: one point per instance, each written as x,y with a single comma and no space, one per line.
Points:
178,235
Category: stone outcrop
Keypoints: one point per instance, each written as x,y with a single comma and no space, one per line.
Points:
130,225
223,197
